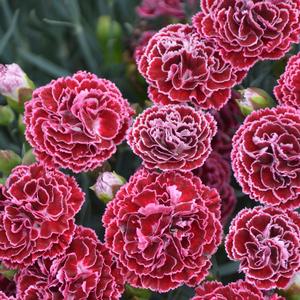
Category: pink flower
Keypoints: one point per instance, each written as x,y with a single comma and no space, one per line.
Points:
172,137
181,66
228,121
239,290
216,173
266,242
266,156
248,31
85,271
163,229
77,122
288,89
143,41
174,8
37,212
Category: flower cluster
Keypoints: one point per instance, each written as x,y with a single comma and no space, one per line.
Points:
288,89
248,31
215,173
76,122
181,66
266,241
37,209
266,156
172,137
86,270
163,228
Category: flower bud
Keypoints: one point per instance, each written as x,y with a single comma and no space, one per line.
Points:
21,124
7,116
8,160
7,273
253,98
107,185
28,158
293,292
15,86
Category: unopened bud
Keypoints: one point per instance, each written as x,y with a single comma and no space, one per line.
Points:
7,116
8,160
15,86
107,185
252,99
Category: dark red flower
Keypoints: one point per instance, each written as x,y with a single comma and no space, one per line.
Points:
288,89
266,156
216,173
77,122
163,229
37,214
252,30
228,121
174,8
266,242
181,66
7,288
3,296
86,271
172,137
239,290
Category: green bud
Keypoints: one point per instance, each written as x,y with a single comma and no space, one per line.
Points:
8,160
28,158
21,124
7,273
7,116
107,185
253,98
138,294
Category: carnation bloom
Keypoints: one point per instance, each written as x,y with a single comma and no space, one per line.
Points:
7,288
215,173
37,212
174,8
142,43
288,89
266,242
248,31
77,122
163,229
239,290
172,137
266,156
85,271
181,66
228,121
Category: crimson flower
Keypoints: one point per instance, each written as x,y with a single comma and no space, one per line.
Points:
37,210
266,242
172,137
85,271
163,229
288,89
266,156
252,30
182,66
77,122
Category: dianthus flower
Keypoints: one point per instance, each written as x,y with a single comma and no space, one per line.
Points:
182,66
37,210
163,229
266,242
288,89
239,290
252,30
85,271
76,122
266,156
215,173
172,137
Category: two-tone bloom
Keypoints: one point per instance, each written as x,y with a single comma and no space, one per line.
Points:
288,89
182,66
266,242
37,209
172,137
266,156
251,30
86,270
163,229
77,121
